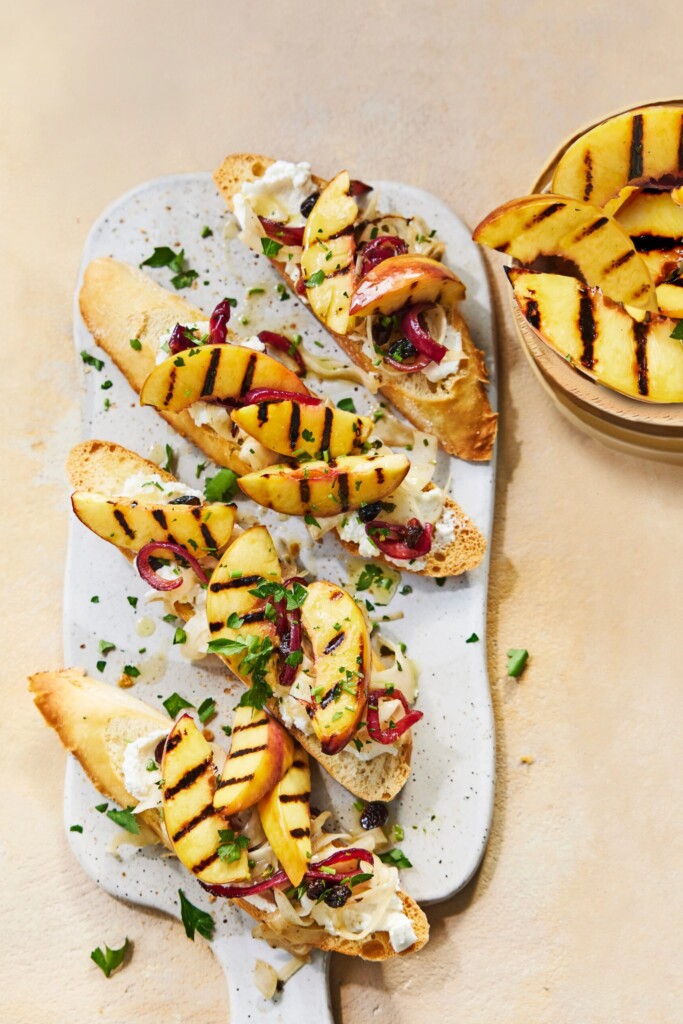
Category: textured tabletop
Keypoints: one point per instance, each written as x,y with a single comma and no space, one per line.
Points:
571,916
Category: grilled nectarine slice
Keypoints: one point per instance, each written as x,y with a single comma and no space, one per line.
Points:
327,260
293,429
260,754
402,279
286,818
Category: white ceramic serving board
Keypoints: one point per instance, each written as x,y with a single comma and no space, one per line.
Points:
445,808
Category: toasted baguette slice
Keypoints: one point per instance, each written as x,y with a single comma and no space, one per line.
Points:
465,552
103,466
456,410
119,302
95,721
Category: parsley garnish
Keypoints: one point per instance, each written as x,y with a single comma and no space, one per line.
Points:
677,332
101,807
256,653
293,597
206,710
94,600
282,292
270,246
227,729
126,819
372,575
201,466
396,857
132,601
517,659
163,256
76,828
346,404
315,279
221,487
195,919
106,385
180,636
136,344
310,520
472,639
132,671
440,580
109,959
308,435
176,703
231,846
106,646
92,360
206,231
233,621
168,465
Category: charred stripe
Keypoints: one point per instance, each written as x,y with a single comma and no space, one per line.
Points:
241,581
158,514
544,214
653,243
215,626
343,479
332,694
294,425
172,742
204,864
635,160
262,412
210,378
123,523
254,724
299,764
588,180
205,813
188,779
532,313
171,386
334,643
294,798
254,616
208,537
304,491
640,335
327,430
248,750
299,833
234,782
248,374
595,226
620,261
587,331
379,474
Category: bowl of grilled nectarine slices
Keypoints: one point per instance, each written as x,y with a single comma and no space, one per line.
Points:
596,276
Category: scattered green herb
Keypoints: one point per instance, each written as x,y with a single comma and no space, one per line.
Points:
136,344
109,959
180,636
221,487
346,404
517,659
231,846
194,919
125,819
206,710
270,247
132,601
92,360
396,857
176,703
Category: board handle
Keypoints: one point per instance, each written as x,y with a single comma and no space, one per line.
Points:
305,998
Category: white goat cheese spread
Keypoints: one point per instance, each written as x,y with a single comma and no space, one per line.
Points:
277,194
142,782
150,487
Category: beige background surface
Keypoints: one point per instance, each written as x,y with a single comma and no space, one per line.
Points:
576,913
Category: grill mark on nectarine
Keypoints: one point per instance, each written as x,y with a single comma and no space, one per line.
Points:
236,584
344,491
171,386
640,336
304,491
334,643
171,743
587,331
299,764
595,226
295,798
188,779
210,378
205,813
379,474
254,724
544,214
588,180
532,313
248,750
248,374
262,412
208,537
158,514
215,626
206,863
294,425
620,261
327,430
299,833
254,616
653,243
123,523
635,159
234,782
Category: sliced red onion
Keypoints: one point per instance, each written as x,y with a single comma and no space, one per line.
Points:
179,341
414,540
390,735
283,344
418,335
338,857
300,288
218,324
359,188
142,564
381,249
257,395
290,642
416,365
282,233
233,892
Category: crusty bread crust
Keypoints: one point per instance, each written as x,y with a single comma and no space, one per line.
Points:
95,721
103,466
458,411
119,302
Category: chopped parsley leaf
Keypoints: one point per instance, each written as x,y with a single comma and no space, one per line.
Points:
194,919
396,857
92,360
125,819
315,279
517,659
132,671
136,344
180,636
76,828
176,703
206,710
106,646
206,231
108,960
346,404
221,487
677,332
132,601
270,247
231,846
472,639
310,520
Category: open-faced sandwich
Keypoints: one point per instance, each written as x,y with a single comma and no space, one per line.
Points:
241,823
599,256
295,453
379,285
304,649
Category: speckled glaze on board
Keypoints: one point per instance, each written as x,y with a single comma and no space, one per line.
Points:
445,808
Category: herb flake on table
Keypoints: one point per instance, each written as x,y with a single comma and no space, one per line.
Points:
108,960
195,919
89,360
221,487
125,819
206,710
176,703
472,639
517,659
396,857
